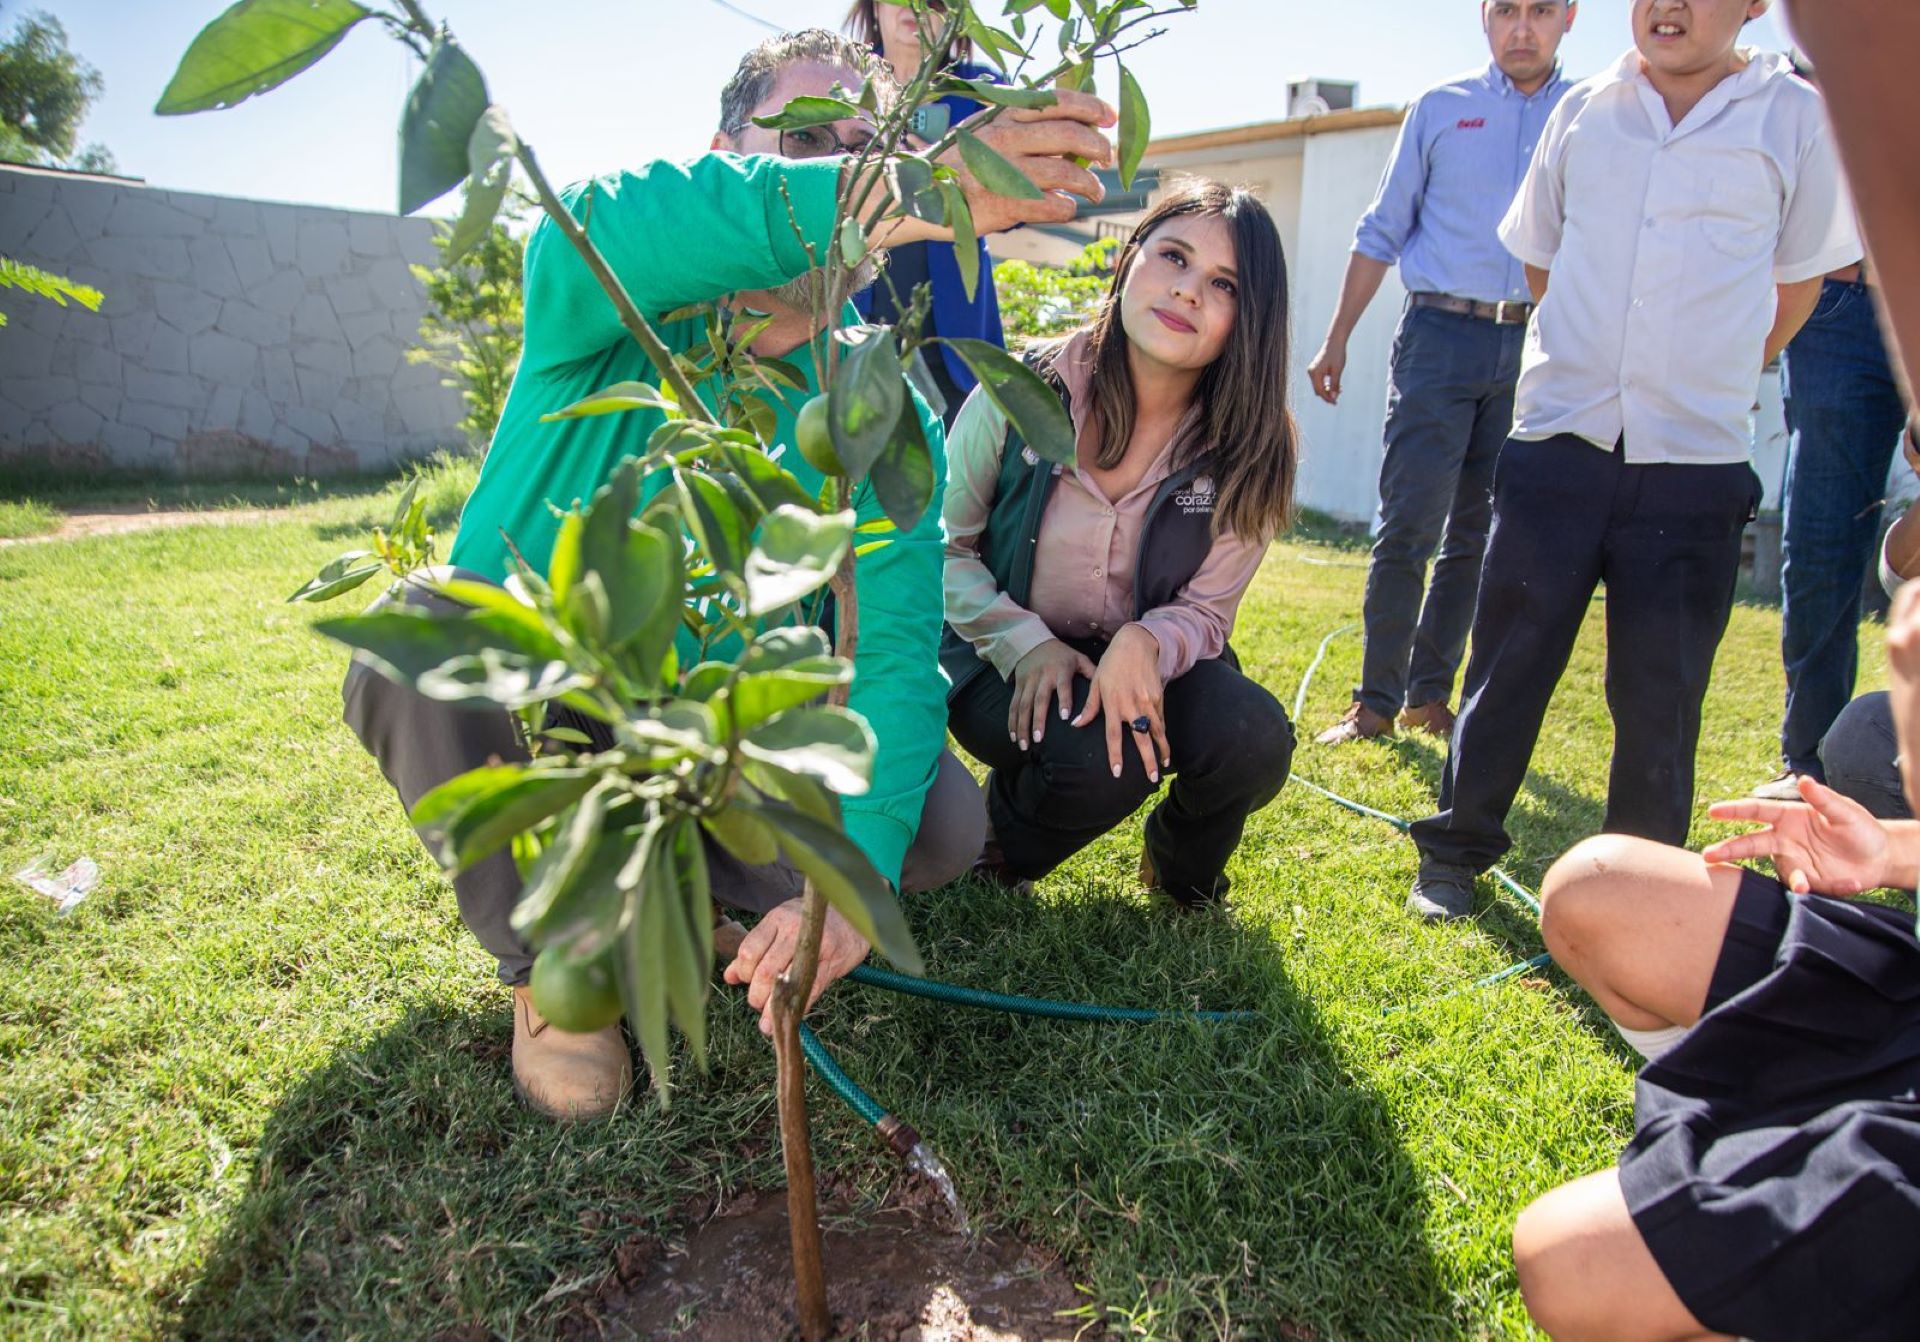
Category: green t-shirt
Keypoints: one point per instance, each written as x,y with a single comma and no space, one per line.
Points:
677,234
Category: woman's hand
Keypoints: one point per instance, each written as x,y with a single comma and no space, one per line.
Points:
1127,688
1044,674
1827,844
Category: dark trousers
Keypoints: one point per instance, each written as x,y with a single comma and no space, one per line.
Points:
1665,539
1231,744
1860,757
420,743
1844,416
1449,408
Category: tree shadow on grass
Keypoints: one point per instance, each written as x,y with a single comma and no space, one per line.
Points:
1210,1178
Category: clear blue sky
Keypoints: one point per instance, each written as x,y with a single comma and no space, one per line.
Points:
598,84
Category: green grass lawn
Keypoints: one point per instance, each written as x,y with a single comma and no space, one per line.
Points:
26,517
257,1084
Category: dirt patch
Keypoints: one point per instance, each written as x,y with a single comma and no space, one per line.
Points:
115,521
893,1275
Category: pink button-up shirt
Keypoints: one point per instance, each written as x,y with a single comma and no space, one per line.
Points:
1083,563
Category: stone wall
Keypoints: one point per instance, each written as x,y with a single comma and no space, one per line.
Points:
237,336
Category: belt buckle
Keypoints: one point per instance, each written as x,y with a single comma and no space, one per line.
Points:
1509,313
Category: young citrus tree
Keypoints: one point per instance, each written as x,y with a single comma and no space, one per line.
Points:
689,630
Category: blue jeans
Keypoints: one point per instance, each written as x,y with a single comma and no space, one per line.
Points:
1449,408
1844,417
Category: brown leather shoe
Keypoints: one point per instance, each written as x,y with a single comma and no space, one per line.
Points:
565,1076
1358,723
1435,719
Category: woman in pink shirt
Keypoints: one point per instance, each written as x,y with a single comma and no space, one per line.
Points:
1088,608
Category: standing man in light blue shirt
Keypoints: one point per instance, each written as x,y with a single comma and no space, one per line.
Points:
1462,155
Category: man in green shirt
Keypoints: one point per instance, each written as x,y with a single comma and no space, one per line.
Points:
722,226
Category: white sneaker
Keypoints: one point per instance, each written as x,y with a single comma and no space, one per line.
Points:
1783,786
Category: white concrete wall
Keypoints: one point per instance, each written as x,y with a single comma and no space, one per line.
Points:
1340,467
237,336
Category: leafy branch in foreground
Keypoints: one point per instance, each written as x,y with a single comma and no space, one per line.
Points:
44,284
667,670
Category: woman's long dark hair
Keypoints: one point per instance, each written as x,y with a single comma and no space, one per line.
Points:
1244,416
862,24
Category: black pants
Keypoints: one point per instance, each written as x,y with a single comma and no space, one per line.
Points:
1665,539
1231,743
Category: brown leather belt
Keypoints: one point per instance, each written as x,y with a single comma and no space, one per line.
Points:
1500,314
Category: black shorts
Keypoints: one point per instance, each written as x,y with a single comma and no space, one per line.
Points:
1775,1166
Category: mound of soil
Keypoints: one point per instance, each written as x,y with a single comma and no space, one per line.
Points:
892,1276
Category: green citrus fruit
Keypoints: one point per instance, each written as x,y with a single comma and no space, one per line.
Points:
578,996
815,437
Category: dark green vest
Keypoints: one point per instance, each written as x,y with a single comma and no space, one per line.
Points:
1174,541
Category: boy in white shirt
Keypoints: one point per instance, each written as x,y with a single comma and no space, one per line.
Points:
1679,214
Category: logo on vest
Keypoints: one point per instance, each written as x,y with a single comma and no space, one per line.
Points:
1028,455
1197,497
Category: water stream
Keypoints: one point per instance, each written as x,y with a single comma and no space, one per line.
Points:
928,1164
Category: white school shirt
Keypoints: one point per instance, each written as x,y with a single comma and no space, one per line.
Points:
1665,243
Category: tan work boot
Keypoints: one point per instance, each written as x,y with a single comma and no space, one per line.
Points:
1359,723
1435,719
567,1076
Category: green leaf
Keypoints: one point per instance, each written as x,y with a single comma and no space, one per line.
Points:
992,171
404,508
803,793
755,698
770,483
403,643
809,111
966,243
902,478
492,815
914,178
544,914
789,646
737,829
832,744
490,151
864,401
923,381
1000,95
462,789
642,958
797,553
255,46
689,952
648,589
565,562
1029,404
842,873
1136,126
614,400
438,124
499,602
340,576
716,521
509,679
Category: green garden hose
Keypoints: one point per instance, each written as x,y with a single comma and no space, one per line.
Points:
954,994
1499,874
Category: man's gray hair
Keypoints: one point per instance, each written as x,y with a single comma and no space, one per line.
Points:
760,70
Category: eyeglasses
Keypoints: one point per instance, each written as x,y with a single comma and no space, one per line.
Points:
818,142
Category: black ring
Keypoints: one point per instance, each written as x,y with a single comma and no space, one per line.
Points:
1142,724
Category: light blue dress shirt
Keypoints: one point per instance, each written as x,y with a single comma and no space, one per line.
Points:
1462,154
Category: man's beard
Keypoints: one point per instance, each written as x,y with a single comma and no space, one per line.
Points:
806,293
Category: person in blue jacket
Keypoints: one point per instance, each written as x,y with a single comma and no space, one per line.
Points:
893,31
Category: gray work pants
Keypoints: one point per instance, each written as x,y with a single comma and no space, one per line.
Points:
420,743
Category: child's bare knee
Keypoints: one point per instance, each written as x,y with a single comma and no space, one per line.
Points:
1582,888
